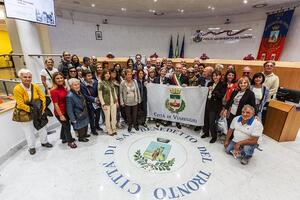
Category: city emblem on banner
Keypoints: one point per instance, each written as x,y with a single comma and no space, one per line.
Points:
175,103
155,156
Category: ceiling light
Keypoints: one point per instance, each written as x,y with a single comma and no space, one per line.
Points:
216,28
245,1
213,8
209,7
152,11
93,5
155,0
180,10
260,5
123,9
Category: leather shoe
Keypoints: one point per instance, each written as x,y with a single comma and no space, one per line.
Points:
197,128
95,133
47,145
83,140
178,125
213,140
204,136
87,135
136,127
32,151
129,129
99,128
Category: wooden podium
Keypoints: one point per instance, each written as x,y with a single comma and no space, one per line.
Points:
282,121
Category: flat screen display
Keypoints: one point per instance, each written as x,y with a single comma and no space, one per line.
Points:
39,11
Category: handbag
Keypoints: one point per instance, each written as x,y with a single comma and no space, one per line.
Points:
20,115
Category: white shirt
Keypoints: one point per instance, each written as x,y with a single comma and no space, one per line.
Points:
28,90
242,132
236,102
258,94
48,77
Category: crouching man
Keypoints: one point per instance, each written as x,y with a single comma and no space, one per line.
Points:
246,130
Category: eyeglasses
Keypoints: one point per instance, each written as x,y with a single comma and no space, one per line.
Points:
67,55
246,72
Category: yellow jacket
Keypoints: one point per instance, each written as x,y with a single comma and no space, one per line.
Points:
22,98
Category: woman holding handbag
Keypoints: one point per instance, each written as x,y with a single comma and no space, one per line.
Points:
25,94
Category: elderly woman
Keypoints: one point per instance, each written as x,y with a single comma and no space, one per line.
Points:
109,102
25,94
58,95
130,98
77,110
240,97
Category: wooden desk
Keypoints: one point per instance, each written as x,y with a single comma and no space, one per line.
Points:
282,121
4,107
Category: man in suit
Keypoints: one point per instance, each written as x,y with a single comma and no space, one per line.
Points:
177,78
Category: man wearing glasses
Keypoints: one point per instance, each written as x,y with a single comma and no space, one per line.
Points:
271,82
247,72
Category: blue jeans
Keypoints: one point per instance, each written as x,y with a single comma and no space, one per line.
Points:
246,150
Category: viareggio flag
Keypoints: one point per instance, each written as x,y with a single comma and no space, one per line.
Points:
177,104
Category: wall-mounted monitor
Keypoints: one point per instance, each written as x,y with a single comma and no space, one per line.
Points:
39,11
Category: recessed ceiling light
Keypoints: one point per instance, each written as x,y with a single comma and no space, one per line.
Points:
245,1
213,8
180,10
123,9
152,11
155,0
209,7
260,5
93,5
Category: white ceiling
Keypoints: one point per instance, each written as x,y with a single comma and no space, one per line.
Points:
192,8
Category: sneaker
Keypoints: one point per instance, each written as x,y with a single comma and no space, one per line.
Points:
244,161
32,151
47,145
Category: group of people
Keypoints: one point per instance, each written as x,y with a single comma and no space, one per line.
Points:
83,93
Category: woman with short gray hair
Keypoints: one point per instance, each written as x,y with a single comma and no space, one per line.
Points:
77,110
25,94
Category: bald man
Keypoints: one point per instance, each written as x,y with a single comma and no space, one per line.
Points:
206,76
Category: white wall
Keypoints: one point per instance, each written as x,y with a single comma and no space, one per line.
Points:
12,136
127,36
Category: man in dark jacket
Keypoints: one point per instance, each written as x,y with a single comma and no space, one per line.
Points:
64,65
89,88
180,80
206,78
